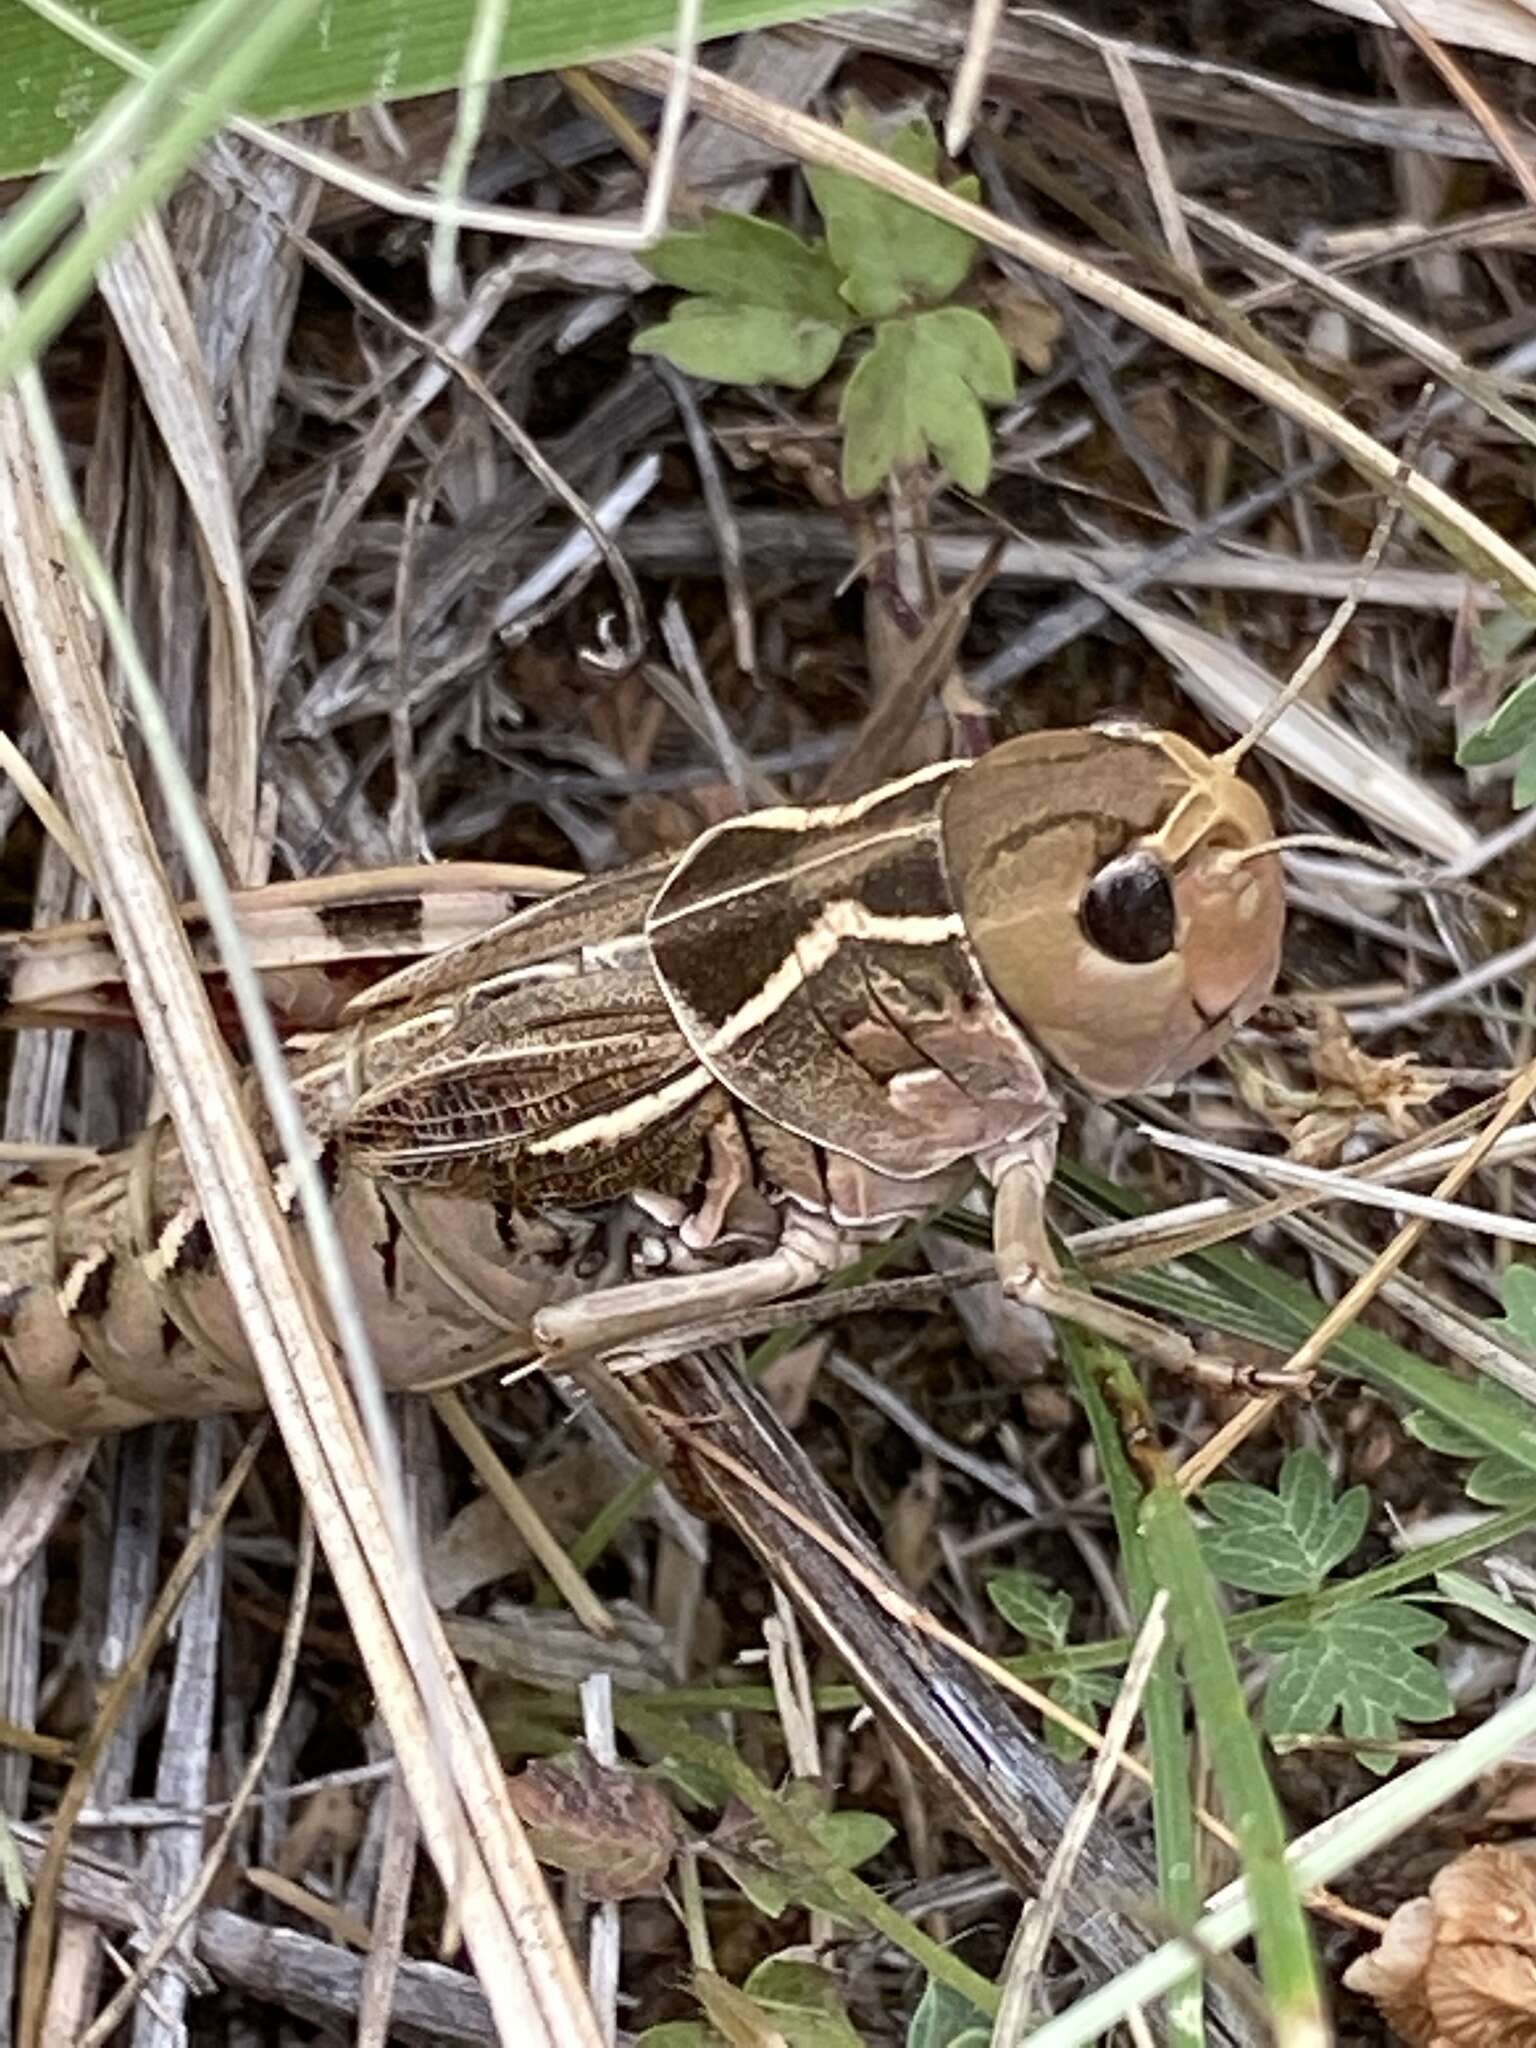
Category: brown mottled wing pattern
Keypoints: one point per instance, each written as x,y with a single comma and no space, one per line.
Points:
573,1089
819,967
591,914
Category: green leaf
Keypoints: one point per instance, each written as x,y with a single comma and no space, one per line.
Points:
1480,1598
852,1837
1500,1483
350,56
681,2034
1041,1614
743,344
1517,1291
773,1884
1523,790
944,2019
1494,1481
698,1785
1287,1541
1358,1665
1030,1605
751,262
1080,1693
921,387
892,256
769,1890
804,2003
1511,727
1439,1433
768,310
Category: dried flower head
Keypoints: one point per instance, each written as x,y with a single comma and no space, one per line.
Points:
1458,1969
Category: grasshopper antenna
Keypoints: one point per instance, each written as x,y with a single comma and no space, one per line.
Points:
1349,604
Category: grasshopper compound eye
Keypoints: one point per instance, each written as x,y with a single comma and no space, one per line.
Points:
1128,910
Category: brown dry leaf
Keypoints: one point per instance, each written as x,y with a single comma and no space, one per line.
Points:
1026,322
1458,1969
329,1826
480,1546
613,1830
909,1527
1515,1802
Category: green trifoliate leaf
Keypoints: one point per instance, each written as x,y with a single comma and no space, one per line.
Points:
921,388
768,308
892,256
1081,1694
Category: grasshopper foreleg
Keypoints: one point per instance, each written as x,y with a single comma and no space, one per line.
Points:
1030,1272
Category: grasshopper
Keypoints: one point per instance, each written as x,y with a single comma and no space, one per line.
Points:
806,1030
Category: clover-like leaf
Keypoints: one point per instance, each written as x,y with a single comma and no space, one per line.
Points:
1031,1605
1043,1614
1360,1666
733,344
1511,728
850,1837
892,255
1287,1541
922,387
946,2019
767,306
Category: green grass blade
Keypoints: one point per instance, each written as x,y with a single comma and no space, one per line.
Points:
223,57
355,52
1287,1960
1173,1809
1232,1291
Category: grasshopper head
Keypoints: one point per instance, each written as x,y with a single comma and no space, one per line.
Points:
1100,876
